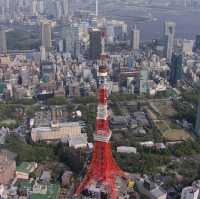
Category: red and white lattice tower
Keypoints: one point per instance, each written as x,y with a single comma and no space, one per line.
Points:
103,169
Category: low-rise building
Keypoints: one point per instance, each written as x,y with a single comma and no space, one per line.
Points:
78,141
150,189
147,144
50,191
3,133
7,168
66,178
24,169
56,131
191,192
133,124
126,149
119,122
45,177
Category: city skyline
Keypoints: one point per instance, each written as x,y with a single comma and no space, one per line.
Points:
99,99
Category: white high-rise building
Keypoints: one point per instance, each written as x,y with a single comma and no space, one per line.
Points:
169,35
190,193
34,8
135,39
40,6
46,35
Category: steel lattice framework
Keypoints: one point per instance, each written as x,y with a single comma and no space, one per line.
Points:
103,168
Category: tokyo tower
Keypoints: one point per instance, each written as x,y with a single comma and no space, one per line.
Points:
103,169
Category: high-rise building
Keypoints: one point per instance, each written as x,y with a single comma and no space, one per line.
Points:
118,33
110,32
41,6
197,126
58,9
95,44
42,53
187,47
135,39
144,75
120,30
66,4
169,35
46,35
12,8
3,41
176,73
197,42
50,8
70,35
34,8
97,8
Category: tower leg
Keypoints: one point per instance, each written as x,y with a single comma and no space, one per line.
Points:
103,169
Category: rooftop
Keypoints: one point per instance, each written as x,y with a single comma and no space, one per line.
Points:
25,167
53,191
24,184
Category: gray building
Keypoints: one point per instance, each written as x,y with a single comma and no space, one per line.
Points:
95,44
169,35
197,127
3,41
144,75
71,41
150,189
135,39
46,35
176,73
48,71
66,5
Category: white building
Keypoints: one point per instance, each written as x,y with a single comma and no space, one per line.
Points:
188,47
148,144
190,193
78,141
34,8
126,149
3,192
3,134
